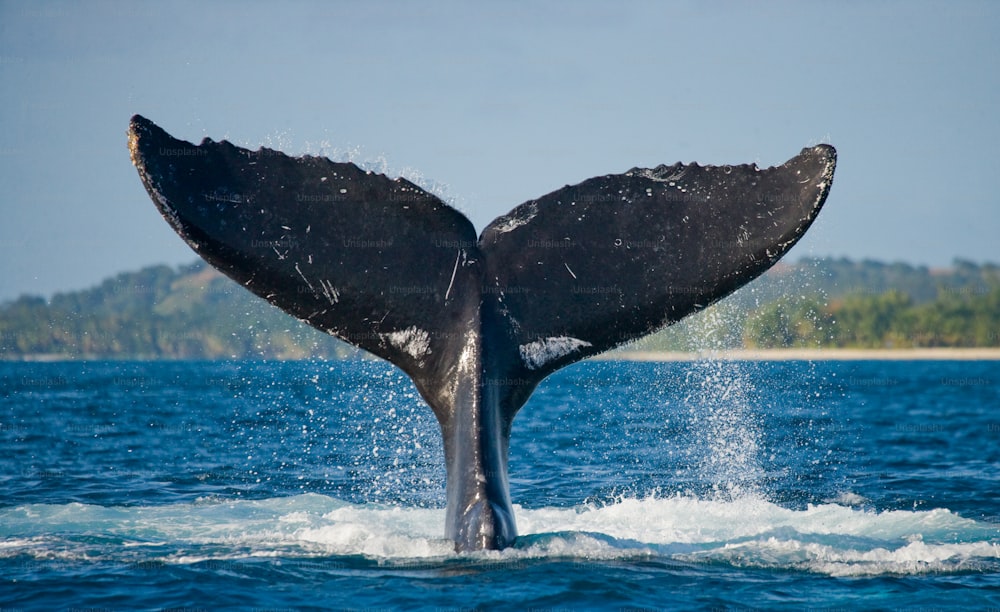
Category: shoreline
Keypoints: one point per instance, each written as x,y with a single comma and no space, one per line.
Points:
794,354
790,354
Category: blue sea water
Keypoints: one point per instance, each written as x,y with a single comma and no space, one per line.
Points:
320,485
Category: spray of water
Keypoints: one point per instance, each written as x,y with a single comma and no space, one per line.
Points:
724,422
401,461
354,429
728,402
380,164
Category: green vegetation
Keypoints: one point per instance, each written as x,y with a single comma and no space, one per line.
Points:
839,303
874,305
890,320
196,313
159,313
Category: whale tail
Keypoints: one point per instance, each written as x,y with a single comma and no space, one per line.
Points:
478,322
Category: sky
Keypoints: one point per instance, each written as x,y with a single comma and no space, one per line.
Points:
493,104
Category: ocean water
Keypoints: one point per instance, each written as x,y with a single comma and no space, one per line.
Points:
320,485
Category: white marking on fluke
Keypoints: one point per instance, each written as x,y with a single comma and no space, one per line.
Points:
331,294
453,271
513,221
663,173
311,288
413,341
540,352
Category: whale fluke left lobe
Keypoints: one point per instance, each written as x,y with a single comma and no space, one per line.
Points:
379,263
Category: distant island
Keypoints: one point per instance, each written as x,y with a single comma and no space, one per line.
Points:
194,312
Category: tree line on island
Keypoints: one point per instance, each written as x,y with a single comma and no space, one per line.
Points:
193,312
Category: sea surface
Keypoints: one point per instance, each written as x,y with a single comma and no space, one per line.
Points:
320,485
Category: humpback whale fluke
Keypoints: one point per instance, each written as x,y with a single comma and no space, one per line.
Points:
477,323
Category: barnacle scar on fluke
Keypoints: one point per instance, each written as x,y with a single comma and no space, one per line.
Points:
573,273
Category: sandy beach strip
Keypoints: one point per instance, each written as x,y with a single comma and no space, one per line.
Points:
918,354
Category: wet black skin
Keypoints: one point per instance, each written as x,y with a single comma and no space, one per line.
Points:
478,322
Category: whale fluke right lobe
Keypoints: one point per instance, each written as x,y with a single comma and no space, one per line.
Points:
592,266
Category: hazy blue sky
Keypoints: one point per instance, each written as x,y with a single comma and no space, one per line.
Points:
498,103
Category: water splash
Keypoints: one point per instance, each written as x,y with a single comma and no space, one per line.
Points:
725,428
403,456
364,424
722,410
826,539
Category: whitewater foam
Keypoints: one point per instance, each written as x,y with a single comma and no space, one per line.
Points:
752,532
